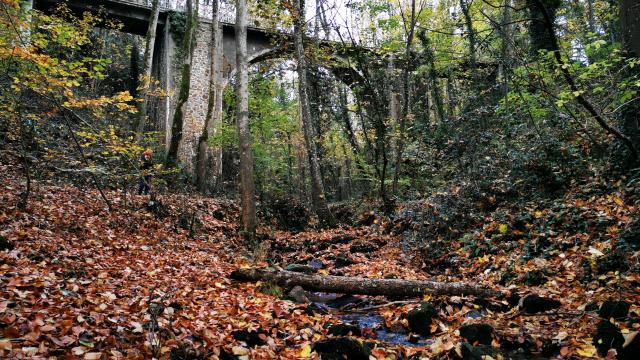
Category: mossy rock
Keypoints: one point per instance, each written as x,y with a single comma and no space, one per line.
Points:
614,309
301,268
631,351
271,288
533,304
477,333
480,352
340,348
5,244
534,278
631,235
607,336
345,330
420,318
251,338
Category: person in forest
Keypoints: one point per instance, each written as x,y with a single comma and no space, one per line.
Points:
144,183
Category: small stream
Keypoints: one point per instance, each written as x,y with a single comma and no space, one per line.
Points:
371,322
375,321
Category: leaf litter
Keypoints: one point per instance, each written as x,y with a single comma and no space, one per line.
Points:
82,282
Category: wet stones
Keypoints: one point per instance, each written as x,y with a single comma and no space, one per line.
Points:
470,352
533,304
343,260
631,349
614,309
5,244
363,248
477,333
607,336
301,268
345,330
251,338
420,318
298,294
341,348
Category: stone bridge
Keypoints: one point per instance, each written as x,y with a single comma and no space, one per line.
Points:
261,44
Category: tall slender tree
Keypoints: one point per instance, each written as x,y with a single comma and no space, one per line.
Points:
436,89
145,81
465,8
409,28
189,44
247,185
318,199
630,28
505,46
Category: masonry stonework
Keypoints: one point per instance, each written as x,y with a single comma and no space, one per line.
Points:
196,107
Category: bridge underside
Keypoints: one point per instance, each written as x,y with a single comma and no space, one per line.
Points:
261,45
134,17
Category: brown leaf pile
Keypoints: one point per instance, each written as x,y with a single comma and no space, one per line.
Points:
83,282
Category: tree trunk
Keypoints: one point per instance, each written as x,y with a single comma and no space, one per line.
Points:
591,22
436,92
247,185
505,49
451,106
539,32
318,199
629,14
406,96
204,155
134,69
145,81
466,12
185,84
363,286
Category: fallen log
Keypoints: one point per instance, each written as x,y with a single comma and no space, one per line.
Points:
362,286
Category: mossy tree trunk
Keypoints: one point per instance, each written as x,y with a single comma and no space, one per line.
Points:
188,46
539,32
318,199
630,27
436,89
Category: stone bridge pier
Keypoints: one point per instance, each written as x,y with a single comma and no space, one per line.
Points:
167,69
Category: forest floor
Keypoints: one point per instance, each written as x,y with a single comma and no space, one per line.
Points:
142,281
